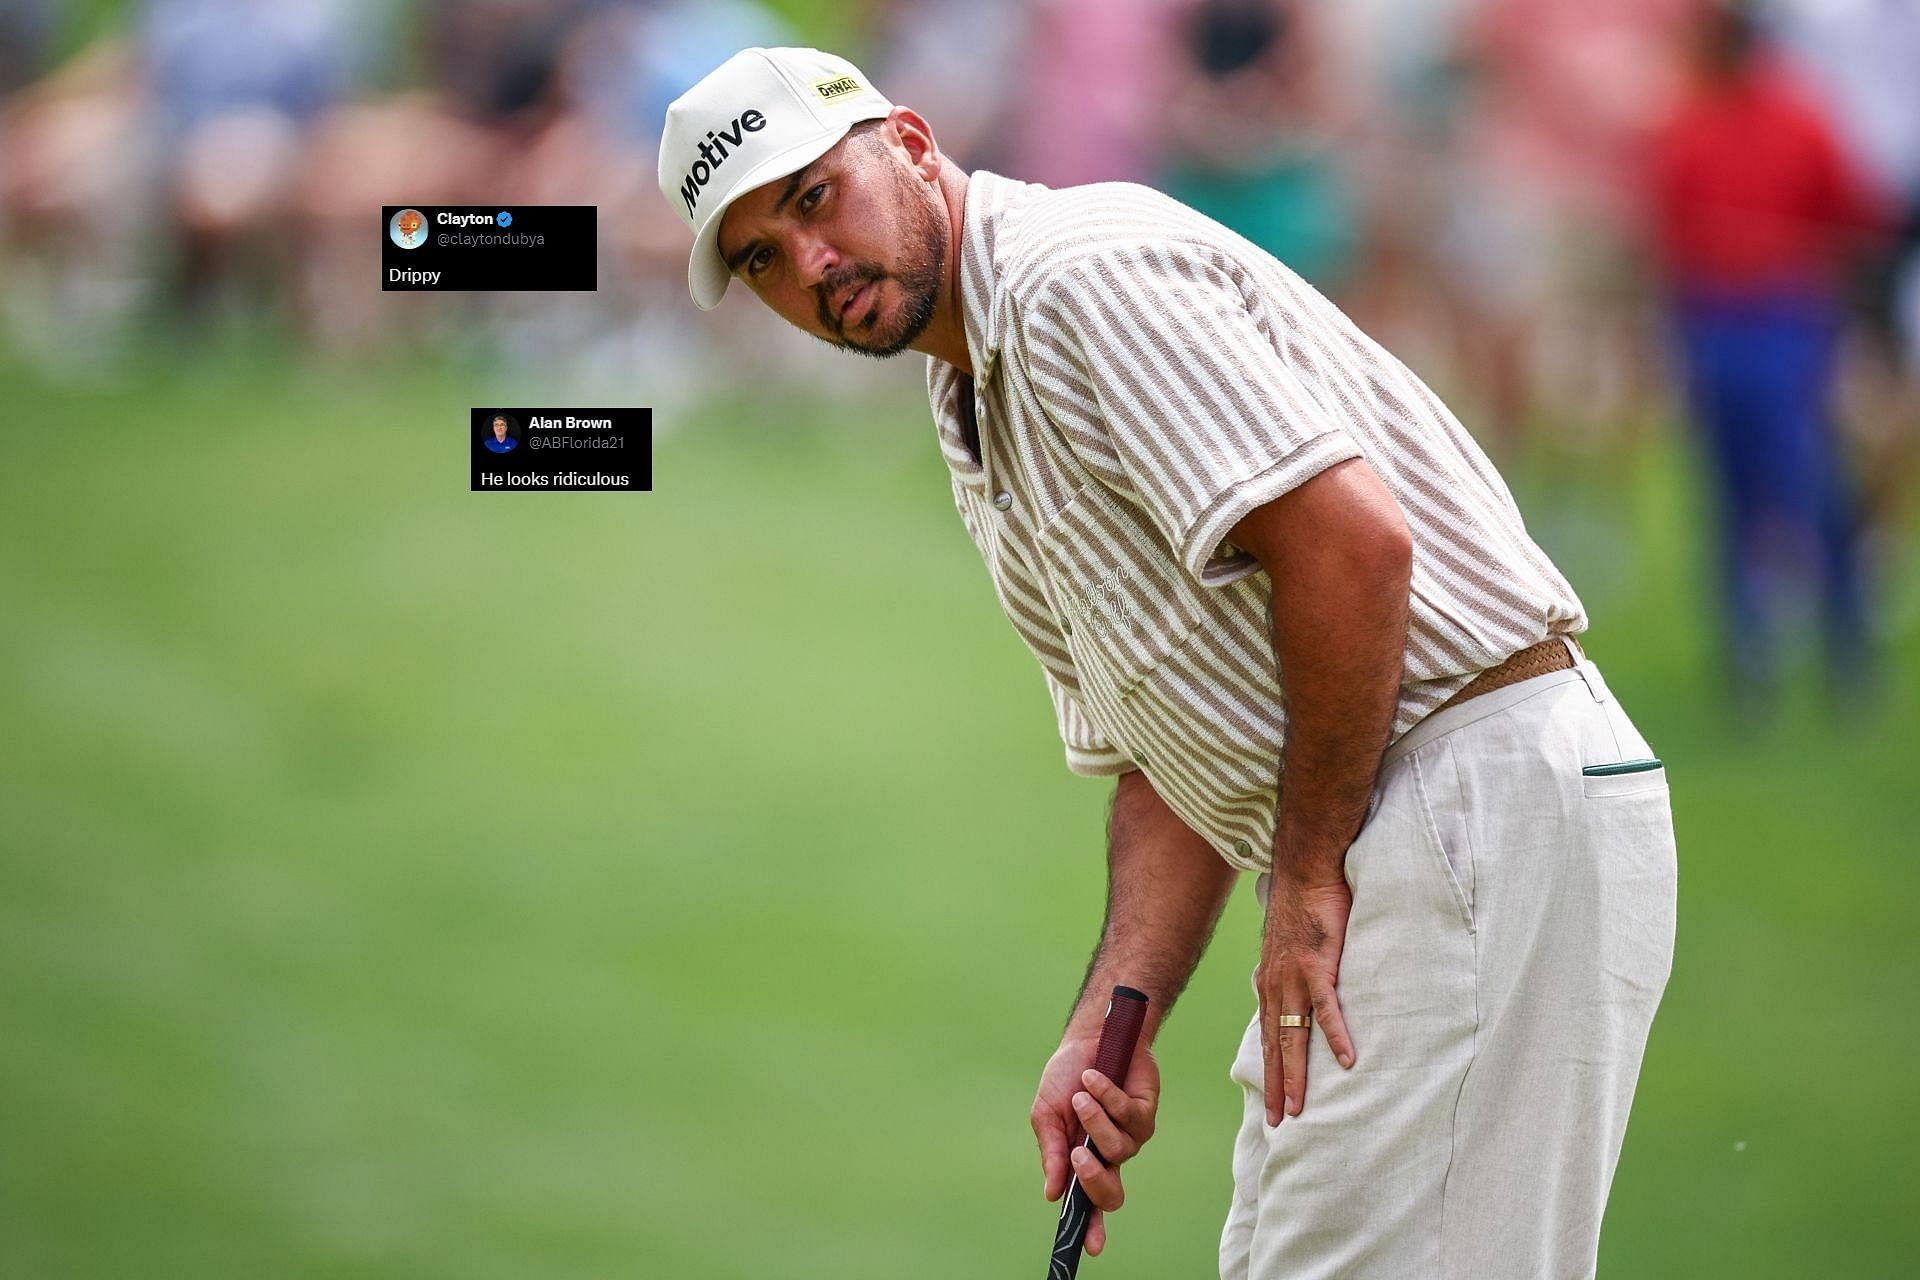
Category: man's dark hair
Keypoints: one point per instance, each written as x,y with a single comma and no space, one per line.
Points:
864,134
1732,36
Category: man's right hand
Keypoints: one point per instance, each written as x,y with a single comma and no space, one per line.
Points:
1075,1102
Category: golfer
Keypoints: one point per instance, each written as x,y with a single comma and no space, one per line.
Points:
1277,590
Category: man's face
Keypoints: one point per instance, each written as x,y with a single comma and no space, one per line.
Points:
500,429
851,249
409,223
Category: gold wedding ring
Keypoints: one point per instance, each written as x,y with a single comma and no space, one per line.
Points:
1293,1020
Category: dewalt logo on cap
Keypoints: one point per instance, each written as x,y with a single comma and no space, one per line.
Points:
838,88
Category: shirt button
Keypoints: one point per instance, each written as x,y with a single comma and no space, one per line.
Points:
1002,500
1242,848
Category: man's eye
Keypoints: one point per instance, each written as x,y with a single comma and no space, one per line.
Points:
758,262
813,197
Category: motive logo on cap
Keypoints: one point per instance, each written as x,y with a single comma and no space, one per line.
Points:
713,153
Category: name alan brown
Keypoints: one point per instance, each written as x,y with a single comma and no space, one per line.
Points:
570,423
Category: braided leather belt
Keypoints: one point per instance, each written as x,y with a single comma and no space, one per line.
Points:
1552,654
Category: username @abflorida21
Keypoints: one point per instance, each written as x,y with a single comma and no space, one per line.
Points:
522,449
441,248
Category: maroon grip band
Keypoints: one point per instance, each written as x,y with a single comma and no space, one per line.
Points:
1119,1033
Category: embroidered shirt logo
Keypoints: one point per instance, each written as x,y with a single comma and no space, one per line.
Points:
1104,605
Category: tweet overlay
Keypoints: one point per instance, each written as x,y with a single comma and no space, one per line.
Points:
522,247
520,450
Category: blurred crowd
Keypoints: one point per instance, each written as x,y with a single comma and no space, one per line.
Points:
1573,216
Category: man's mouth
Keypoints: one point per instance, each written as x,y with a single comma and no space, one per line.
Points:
852,301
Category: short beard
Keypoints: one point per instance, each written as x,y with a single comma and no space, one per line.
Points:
919,280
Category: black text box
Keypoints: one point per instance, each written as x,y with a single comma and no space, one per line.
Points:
519,247
569,449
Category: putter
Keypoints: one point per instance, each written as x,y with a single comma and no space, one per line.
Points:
1119,1032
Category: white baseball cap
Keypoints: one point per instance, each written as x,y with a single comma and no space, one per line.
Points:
760,115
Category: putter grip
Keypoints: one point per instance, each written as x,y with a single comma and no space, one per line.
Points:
1119,1034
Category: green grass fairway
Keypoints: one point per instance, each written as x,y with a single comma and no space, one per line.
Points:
403,882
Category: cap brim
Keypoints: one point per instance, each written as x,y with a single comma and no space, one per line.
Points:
707,274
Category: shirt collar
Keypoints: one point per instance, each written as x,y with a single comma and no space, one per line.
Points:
990,205
991,202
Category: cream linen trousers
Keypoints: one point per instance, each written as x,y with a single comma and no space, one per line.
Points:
1514,895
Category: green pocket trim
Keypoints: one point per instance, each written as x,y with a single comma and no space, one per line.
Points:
1624,766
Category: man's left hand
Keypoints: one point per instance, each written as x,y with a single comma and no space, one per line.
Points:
1306,930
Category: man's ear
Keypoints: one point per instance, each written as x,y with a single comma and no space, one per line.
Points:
916,137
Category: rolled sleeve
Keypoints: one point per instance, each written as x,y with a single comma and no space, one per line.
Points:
1151,356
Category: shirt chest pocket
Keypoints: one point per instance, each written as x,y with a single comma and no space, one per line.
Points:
1122,600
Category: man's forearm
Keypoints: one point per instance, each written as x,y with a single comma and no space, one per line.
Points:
1339,559
1166,888
1339,639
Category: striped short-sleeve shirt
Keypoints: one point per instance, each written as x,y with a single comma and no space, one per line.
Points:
1143,379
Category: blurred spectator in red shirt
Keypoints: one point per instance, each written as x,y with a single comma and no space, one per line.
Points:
1755,208
1753,190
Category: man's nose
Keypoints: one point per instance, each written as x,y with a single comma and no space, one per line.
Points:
817,258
